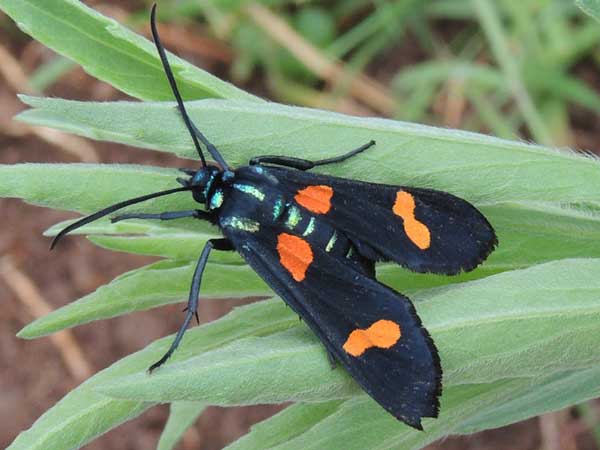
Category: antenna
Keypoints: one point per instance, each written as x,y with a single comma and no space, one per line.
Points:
194,131
173,84
112,208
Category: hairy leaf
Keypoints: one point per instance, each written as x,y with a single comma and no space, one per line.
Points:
110,52
474,166
514,324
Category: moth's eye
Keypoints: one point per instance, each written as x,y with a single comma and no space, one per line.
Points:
199,178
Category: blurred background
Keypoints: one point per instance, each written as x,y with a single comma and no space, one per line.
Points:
526,70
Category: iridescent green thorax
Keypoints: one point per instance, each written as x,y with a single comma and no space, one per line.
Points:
294,217
241,223
250,190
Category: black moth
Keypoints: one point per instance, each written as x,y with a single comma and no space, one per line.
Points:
315,240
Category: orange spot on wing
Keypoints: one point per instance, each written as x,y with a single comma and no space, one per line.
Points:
316,199
417,232
382,334
295,255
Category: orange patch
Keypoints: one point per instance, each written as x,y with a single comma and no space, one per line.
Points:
295,255
316,199
417,232
382,334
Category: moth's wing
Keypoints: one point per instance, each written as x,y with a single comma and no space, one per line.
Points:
337,300
422,229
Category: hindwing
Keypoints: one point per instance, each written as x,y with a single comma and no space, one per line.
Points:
373,331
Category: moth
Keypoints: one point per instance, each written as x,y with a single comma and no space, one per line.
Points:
315,239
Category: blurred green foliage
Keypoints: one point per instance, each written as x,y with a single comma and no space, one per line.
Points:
511,68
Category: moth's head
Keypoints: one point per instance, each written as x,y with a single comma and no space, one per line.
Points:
202,182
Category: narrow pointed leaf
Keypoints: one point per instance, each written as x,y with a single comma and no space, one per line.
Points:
183,245
477,167
89,187
514,324
556,392
83,414
286,425
151,286
359,423
109,51
181,416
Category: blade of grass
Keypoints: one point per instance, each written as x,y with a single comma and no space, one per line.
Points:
48,73
490,22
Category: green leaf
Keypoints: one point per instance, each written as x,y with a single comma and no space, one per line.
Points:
477,167
555,392
181,417
590,7
514,324
285,426
151,286
110,52
146,237
83,414
89,187
181,245
360,423
49,72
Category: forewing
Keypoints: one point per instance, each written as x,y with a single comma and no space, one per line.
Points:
371,329
422,229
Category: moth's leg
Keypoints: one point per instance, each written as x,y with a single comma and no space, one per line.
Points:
285,161
305,164
192,305
345,156
170,215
